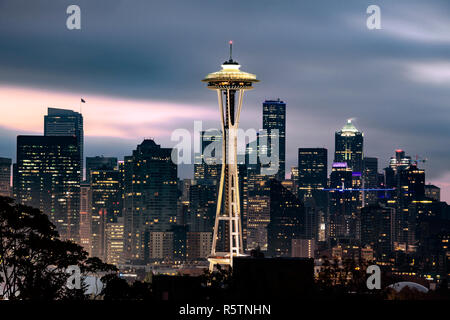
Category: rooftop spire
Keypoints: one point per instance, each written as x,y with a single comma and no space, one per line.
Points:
230,61
349,126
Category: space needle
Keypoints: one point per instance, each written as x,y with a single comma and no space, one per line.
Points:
230,84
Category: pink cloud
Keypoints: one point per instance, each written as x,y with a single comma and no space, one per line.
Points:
24,109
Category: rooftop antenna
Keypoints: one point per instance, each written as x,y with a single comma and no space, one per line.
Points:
231,49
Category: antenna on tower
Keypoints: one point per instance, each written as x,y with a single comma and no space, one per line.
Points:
231,49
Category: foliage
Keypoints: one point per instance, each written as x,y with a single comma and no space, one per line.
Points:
33,260
347,276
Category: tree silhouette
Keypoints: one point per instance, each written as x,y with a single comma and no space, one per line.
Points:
33,260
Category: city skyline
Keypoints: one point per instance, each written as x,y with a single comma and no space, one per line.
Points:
122,178
394,81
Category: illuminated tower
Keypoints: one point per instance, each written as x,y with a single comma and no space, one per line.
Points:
230,84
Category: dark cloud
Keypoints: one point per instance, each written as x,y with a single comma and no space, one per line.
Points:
318,56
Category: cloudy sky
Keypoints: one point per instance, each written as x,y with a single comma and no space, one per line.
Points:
138,64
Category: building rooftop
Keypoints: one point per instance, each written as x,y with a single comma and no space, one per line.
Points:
349,127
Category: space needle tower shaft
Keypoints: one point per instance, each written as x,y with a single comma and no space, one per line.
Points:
230,84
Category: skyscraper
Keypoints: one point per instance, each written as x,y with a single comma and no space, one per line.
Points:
370,177
63,122
114,246
397,164
349,147
86,217
150,201
376,229
202,207
408,182
48,178
433,192
412,184
256,210
312,170
107,203
286,220
274,117
5,177
341,203
100,163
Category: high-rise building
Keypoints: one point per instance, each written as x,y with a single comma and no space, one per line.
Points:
349,147
106,193
198,245
258,218
114,235
150,201
86,217
179,242
274,118
312,173
303,248
5,177
408,184
433,192
106,199
256,214
48,178
100,163
184,187
286,220
412,185
63,122
342,202
202,207
370,180
376,229
397,164
400,161
160,246
294,176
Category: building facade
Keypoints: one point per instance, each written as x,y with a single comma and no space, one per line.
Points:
150,197
63,122
48,178
274,118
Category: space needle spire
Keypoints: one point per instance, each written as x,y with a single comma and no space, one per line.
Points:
230,84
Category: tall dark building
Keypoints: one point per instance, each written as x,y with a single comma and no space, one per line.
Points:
286,220
5,177
100,163
408,182
150,202
274,117
48,178
433,192
312,171
106,197
370,177
86,217
342,202
376,230
256,209
349,147
63,122
412,184
202,207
